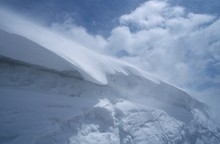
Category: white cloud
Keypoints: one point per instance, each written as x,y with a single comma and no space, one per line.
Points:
168,41
151,14
174,44
120,39
178,46
80,35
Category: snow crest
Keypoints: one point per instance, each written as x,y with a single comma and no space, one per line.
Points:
52,107
53,90
37,45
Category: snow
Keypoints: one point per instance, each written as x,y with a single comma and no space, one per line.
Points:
53,90
56,51
41,106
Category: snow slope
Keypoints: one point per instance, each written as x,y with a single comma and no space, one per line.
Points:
40,106
92,66
53,90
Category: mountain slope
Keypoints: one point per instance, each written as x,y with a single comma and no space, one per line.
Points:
129,81
54,90
92,66
42,106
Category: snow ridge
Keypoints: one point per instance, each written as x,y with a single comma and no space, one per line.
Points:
69,94
68,109
57,52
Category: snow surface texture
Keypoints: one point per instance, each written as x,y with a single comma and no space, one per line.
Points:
54,91
45,107
56,52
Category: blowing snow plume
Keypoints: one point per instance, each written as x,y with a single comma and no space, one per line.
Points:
54,90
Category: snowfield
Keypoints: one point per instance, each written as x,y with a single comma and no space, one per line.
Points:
55,91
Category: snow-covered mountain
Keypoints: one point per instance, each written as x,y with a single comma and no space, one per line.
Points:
54,90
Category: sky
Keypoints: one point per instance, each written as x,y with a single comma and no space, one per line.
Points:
177,41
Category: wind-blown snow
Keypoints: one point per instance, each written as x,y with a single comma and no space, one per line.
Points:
57,52
39,106
53,90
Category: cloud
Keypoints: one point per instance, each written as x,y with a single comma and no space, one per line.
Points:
80,35
151,14
19,23
171,42
176,45
211,97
